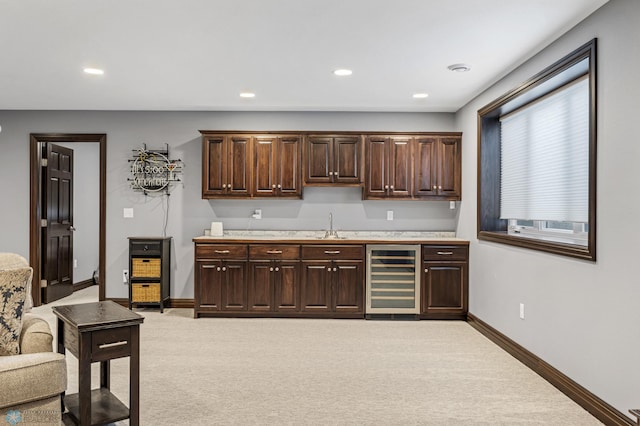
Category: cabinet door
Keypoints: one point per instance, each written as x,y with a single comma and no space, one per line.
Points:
287,284
318,161
260,287
316,286
348,286
449,171
214,160
288,165
425,168
208,286
234,286
444,288
376,158
264,184
239,166
400,168
347,155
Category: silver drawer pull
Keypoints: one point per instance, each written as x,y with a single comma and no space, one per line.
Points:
112,345
222,251
274,251
332,252
445,253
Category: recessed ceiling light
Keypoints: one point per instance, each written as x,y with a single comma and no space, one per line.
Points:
247,95
459,67
420,95
343,72
93,71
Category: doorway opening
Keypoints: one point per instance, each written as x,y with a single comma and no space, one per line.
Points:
37,247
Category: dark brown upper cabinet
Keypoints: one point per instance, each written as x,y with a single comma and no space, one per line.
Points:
277,166
388,167
226,166
437,168
333,160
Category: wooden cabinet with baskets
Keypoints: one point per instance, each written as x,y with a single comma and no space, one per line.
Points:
149,271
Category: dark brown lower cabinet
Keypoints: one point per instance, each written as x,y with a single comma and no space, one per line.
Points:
445,282
333,281
315,280
273,286
220,283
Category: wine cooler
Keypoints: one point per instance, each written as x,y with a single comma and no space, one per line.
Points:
393,279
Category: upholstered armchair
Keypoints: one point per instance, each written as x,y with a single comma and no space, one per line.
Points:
32,375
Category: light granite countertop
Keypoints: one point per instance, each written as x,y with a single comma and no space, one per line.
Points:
343,236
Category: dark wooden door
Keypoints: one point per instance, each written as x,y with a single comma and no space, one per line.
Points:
425,167
260,287
264,177
400,168
347,157
239,166
316,286
289,156
449,172
234,286
348,295
57,259
208,285
377,173
214,167
287,283
319,157
443,290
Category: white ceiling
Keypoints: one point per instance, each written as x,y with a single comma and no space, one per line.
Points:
198,55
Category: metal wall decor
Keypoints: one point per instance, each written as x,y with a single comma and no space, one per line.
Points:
152,171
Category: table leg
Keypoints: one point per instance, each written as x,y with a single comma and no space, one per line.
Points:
105,374
61,350
134,377
84,379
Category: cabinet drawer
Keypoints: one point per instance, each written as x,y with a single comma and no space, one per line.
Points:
142,267
323,252
145,292
221,251
110,343
285,251
145,247
445,253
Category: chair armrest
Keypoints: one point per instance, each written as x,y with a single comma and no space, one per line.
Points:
36,335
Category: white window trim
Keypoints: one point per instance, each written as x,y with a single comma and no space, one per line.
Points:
539,231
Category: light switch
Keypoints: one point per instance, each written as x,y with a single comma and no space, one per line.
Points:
389,214
127,212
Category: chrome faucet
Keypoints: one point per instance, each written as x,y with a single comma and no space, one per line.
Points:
331,233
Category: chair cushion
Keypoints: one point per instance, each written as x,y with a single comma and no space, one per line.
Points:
31,377
13,293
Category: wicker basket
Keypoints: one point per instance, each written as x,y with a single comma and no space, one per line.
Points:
143,267
141,293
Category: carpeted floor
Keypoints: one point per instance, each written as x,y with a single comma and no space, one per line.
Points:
219,371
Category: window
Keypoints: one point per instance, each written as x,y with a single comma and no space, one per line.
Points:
536,164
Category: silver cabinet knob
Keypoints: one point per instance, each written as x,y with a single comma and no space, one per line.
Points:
277,269
218,269
440,187
386,187
224,268
335,269
273,186
391,187
270,269
435,187
426,269
279,186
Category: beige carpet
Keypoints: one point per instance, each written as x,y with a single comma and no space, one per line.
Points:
218,371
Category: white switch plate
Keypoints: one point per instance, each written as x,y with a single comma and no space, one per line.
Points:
452,205
389,214
127,212
75,263
522,311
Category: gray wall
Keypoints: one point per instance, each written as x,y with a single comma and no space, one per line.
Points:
580,317
188,215
86,208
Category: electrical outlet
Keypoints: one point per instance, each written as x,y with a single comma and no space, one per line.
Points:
257,214
75,263
389,214
522,311
125,276
127,212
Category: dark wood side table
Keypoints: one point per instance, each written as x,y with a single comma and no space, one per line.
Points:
100,332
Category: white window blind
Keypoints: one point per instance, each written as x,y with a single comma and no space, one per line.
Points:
545,157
